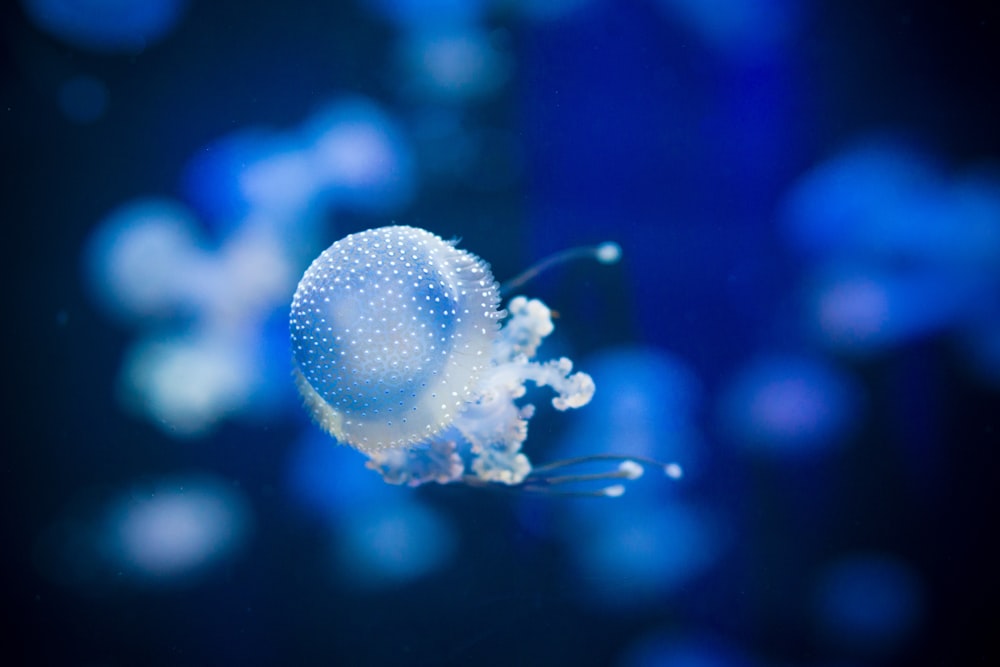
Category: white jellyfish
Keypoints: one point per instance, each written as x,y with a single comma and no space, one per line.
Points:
402,351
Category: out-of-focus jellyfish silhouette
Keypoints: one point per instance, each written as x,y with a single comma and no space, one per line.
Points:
636,553
144,261
900,251
399,353
742,28
790,406
452,63
175,527
106,25
160,532
864,310
868,603
359,156
204,284
396,539
390,543
636,557
649,399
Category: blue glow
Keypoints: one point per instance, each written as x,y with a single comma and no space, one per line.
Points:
981,350
392,544
139,257
361,156
186,384
348,154
212,179
328,480
106,25
866,200
908,251
888,202
550,10
261,193
689,650
869,602
421,14
645,405
741,27
863,310
632,556
452,64
147,264
789,405
381,538
175,527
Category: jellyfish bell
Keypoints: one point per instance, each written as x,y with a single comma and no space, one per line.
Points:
402,351
391,330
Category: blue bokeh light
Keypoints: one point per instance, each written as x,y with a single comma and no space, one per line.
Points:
741,28
869,602
636,555
805,322
864,310
107,25
688,649
390,544
790,406
647,401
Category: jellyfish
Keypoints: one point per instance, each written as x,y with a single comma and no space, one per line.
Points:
402,351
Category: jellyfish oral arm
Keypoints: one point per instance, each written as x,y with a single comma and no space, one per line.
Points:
489,432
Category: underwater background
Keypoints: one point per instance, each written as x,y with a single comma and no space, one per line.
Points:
805,318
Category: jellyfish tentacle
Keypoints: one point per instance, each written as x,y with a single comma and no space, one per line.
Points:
608,252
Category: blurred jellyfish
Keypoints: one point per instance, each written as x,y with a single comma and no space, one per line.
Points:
327,481
633,558
350,154
790,406
868,602
161,532
738,27
213,180
175,527
907,252
399,353
106,25
145,260
648,399
390,543
202,361
452,64
867,201
885,201
187,384
206,290
359,156
282,184
861,310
